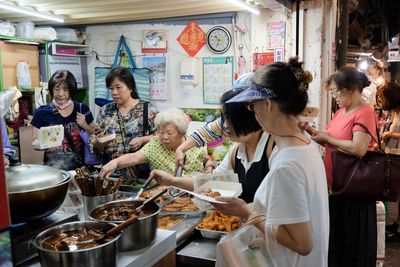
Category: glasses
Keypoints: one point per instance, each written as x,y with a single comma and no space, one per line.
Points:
250,106
335,92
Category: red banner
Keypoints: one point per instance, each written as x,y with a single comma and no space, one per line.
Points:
192,38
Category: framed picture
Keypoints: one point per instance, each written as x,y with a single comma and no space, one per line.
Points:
154,41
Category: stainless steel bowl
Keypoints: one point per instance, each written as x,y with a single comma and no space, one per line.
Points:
138,235
35,191
104,255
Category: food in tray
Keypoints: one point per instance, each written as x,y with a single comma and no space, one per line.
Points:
168,221
145,195
75,240
119,213
208,192
183,204
218,221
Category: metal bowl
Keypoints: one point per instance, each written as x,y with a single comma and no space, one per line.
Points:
35,191
138,235
104,255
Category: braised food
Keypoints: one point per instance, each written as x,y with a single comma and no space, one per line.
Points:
167,222
119,213
208,192
181,204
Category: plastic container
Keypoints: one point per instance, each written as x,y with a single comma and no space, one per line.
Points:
25,29
23,75
211,234
7,28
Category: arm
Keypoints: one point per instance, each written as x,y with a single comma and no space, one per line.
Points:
130,159
138,142
164,178
296,237
358,146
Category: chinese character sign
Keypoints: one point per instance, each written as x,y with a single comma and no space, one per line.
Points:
192,39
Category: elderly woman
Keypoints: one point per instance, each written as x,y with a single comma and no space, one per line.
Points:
172,125
74,116
128,117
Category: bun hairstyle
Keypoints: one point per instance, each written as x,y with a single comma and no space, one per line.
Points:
349,78
289,81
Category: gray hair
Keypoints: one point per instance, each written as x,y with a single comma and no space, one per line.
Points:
172,116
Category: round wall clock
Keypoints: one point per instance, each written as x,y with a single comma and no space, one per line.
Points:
219,39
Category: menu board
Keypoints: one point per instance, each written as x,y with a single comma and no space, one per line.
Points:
73,64
217,78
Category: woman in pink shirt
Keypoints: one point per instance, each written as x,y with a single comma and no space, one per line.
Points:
353,231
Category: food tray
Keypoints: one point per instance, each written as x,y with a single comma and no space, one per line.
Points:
176,219
211,234
178,212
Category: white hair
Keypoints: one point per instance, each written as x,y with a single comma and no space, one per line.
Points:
172,116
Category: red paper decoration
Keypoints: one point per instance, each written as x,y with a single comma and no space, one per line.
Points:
192,38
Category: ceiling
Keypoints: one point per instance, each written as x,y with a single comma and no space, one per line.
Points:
76,12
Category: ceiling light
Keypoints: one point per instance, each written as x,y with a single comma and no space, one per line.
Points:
29,12
246,6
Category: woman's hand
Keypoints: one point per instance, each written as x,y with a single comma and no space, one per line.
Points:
136,143
179,158
162,177
81,120
109,168
320,137
305,126
234,206
386,136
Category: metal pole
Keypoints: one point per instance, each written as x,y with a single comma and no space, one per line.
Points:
342,33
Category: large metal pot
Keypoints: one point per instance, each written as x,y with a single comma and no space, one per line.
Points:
35,191
104,255
138,235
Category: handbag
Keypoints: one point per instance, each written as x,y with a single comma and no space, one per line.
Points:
374,176
88,157
141,75
244,247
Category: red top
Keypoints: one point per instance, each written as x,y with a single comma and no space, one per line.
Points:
341,127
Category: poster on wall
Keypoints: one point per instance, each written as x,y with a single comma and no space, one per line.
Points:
154,41
192,38
260,59
217,78
275,34
158,76
73,64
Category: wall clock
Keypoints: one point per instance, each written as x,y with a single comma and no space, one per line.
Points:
219,39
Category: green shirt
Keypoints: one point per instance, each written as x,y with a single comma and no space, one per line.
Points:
163,158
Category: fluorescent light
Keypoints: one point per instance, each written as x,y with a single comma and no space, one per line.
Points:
246,6
29,12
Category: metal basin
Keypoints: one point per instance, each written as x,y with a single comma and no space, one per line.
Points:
35,191
104,255
138,235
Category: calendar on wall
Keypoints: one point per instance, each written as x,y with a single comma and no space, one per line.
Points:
217,78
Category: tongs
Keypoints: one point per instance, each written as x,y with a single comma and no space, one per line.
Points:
172,191
146,183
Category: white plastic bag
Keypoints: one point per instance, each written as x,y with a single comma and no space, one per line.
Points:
244,248
25,29
23,75
66,35
7,29
45,33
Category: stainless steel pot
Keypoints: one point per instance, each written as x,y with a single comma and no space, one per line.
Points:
104,255
35,191
140,234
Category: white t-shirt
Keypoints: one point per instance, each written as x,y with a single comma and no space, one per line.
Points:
295,191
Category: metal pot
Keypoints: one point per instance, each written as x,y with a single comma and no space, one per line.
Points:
104,255
140,234
35,191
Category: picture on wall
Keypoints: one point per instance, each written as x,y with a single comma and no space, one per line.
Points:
275,34
158,76
154,41
217,78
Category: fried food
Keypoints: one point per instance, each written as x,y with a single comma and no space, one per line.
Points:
218,221
180,204
208,192
167,222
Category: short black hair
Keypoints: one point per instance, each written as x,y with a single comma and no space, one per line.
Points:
242,120
291,92
349,78
124,75
63,76
389,96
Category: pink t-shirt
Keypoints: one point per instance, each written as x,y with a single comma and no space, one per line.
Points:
341,127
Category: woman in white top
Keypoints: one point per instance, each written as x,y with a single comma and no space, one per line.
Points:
293,195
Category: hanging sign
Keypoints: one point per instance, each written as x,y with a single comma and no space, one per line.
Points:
73,64
260,59
192,38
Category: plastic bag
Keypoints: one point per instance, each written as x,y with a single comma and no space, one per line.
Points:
66,35
243,248
45,33
23,75
25,29
7,29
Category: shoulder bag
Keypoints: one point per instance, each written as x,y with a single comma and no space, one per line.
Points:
374,176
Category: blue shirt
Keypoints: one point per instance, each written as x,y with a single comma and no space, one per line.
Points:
5,140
